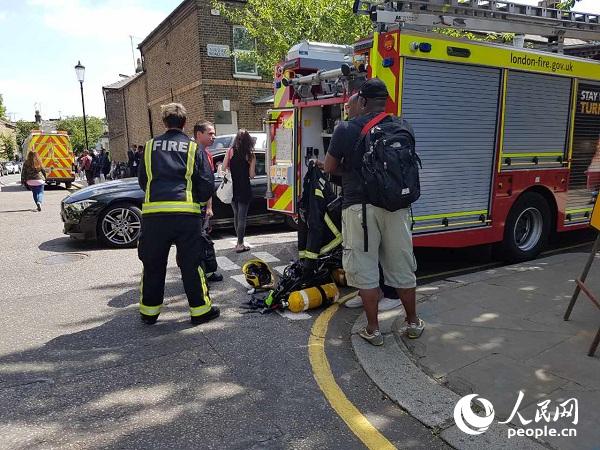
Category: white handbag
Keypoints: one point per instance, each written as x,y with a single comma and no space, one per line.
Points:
225,189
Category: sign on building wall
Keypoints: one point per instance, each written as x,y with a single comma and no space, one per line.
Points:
218,51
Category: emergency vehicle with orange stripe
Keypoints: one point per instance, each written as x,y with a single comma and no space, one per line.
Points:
509,137
56,153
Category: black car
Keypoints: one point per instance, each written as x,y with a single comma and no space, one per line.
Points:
111,211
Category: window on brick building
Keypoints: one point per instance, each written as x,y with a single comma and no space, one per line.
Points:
243,45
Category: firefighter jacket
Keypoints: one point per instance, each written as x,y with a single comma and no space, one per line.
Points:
319,222
175,175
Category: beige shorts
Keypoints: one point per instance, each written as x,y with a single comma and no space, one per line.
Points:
390,243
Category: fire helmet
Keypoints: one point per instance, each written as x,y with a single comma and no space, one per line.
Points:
258,274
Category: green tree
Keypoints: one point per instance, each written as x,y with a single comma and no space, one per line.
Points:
7,147
74,126
278,24
567,4
23,129
2,108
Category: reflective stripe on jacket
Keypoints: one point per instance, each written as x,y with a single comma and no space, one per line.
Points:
175,176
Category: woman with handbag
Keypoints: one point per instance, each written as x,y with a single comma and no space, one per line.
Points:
241,163
33,177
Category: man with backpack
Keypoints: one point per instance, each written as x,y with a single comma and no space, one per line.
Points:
375,156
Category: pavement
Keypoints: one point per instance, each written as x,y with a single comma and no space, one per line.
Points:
495,333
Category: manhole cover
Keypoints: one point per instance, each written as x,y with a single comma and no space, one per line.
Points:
62,258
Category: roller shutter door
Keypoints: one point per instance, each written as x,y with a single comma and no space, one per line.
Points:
453,109
584,178
536,120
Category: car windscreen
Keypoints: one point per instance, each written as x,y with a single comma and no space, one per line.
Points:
222,142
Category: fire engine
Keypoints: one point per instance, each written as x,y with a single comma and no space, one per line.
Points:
56,153
509,137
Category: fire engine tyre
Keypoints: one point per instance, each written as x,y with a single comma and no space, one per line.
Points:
527,228
120,226
68,185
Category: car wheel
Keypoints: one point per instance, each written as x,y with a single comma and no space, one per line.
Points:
120,226
527,228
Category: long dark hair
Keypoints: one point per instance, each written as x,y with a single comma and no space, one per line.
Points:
243,145
33,160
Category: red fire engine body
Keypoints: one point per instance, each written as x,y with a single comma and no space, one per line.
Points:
509,137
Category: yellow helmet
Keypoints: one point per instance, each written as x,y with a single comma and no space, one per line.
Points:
258,274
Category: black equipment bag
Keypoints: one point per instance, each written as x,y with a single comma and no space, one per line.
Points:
389,168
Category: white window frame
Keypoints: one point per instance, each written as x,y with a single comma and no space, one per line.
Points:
235,60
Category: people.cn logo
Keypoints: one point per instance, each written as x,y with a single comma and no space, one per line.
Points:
468,421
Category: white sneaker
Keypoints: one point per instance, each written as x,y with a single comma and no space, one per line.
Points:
385,304
355,302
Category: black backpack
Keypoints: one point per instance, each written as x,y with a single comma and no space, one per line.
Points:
389,167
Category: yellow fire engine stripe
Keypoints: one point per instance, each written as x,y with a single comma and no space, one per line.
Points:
358,423
531,155
284,200
572,124
400,84
576,211
451,215
503,113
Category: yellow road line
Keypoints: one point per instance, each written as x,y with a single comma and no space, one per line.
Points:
358,424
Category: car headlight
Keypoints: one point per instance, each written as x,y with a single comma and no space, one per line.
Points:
80,205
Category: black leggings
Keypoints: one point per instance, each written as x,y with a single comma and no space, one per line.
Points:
240,213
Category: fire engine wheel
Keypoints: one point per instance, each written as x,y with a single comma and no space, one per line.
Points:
527,228
68,184
120,226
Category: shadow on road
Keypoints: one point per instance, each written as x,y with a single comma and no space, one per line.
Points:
19,210
121,382
66,245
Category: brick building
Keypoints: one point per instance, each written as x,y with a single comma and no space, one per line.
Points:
187,59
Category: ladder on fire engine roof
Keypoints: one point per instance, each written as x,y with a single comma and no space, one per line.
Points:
483,15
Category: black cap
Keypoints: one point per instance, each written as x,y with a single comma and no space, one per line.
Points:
373,88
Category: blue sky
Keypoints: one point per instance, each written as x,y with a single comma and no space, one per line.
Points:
42,40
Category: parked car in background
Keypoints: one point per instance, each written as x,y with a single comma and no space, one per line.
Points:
226,140
12,167
111,212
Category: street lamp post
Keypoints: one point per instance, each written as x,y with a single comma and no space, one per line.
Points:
80,71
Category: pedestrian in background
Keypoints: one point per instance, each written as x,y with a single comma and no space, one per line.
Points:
130,160
86,164
241,163
104,162
33,177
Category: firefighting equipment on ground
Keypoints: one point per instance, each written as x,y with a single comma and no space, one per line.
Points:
297,277
311,298
258,274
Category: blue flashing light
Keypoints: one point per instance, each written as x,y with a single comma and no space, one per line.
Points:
425,47
388,62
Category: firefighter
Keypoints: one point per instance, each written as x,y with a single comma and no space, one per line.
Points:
177,180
